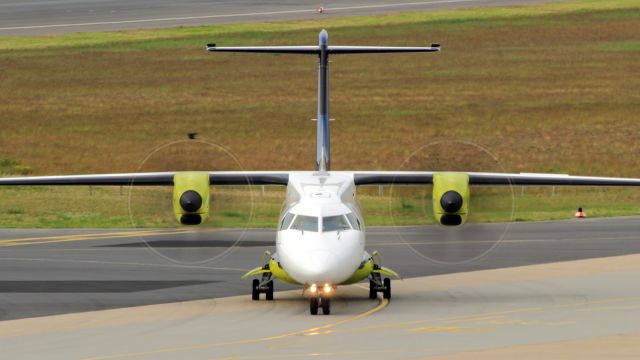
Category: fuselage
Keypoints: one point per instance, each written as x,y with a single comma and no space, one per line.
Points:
321,237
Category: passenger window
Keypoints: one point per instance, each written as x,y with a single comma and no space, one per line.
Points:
305,223
286,221
355,223
335,223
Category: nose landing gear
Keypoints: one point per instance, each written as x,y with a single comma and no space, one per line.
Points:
313,305
320,299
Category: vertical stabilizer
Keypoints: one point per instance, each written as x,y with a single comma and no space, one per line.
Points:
323,159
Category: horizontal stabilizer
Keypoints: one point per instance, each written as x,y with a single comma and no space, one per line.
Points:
267,49
316,49
379,49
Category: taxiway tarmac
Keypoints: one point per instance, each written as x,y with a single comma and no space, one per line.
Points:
588,309
47,272
35,17
488,301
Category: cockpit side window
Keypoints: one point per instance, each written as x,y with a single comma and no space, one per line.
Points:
353,219
335,223
305,223
286,221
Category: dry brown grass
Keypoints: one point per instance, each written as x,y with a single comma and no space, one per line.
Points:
538,92
545,93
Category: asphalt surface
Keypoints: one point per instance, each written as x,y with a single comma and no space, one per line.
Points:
46,272
38,17
585,309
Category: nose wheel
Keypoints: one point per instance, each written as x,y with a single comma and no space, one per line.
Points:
313,305
325,301
317,301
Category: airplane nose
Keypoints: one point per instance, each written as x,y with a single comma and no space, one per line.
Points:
313,259
320,259
323,264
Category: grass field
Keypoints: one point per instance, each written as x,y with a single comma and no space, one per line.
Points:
545,88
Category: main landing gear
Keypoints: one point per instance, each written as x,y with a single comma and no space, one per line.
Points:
320,298
264,285
377,284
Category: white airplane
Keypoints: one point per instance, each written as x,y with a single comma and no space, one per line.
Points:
320,243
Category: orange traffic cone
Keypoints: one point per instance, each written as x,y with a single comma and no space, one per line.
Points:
580,214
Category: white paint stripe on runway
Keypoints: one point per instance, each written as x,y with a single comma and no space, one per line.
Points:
299,11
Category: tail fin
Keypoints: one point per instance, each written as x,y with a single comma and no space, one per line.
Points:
323,50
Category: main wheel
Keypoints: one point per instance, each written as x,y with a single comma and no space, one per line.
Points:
387,288
269,292
313,305
255,292
373,291
326,305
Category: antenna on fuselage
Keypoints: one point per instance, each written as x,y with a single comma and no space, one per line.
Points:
323,50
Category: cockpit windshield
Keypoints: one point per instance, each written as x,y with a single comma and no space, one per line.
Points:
305,223
329,223
286,221
335,223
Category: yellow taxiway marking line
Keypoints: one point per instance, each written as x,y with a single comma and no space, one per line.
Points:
473,318
76,235
341,354
447,329
58,239
317,330
115,263
481,317
306,332
609,308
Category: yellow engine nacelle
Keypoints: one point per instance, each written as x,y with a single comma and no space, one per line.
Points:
450,198
191,197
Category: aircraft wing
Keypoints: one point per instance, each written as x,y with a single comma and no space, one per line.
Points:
153,178
282,178
481,178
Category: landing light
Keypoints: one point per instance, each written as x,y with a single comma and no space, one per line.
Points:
327,288
313,288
